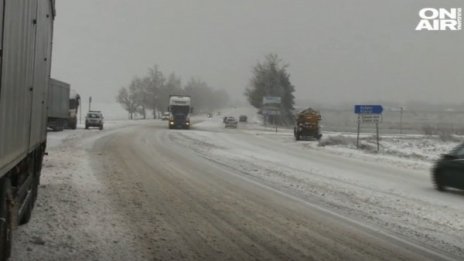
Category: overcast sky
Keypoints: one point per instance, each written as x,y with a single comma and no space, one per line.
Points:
338,51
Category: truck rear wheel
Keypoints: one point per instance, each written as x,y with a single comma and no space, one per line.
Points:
61,124
6,227
74,124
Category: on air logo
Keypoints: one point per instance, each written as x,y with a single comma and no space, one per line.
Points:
440,19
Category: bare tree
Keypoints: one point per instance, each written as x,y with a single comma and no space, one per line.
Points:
152,92
137,92
127,101
153,84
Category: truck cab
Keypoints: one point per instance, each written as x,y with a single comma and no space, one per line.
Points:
179,109
74,102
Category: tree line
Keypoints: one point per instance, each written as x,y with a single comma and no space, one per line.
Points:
151,93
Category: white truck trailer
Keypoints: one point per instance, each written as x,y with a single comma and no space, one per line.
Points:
58,104
26,30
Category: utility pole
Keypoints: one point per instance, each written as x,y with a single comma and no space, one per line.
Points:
90,103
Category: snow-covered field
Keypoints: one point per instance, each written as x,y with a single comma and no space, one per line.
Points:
410,149
389,190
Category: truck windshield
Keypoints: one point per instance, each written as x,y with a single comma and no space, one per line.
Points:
93,116
180,110
73,103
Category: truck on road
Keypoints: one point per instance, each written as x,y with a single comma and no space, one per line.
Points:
307,125
58,104
26,29
180,108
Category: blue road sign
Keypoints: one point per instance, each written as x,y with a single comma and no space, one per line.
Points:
368,109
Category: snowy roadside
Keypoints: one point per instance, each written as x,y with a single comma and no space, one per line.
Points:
74,218
416,151
407,150
390,190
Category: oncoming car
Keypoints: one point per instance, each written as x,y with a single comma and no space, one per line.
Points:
94,119
230,122
165,116
449,170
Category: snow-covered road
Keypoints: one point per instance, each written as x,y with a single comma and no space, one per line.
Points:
389,193
144,192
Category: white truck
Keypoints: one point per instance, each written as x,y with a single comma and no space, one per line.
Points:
58,104
180,108
26,29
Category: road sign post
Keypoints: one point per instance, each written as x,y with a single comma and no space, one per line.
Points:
271,107
272,100
401,119
368,109
359,130
369,114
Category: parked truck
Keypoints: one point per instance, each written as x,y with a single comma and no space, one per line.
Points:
74,102
307,125
58,104
179,108
26,28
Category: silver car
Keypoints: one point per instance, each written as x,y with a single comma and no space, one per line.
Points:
94,119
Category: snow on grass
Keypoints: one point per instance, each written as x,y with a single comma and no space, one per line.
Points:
416,147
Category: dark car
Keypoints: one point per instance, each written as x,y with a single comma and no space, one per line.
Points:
449,170
243,118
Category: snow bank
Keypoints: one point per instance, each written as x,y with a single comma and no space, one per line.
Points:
425,148
74,218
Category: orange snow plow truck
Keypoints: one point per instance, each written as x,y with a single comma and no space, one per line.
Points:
307,125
